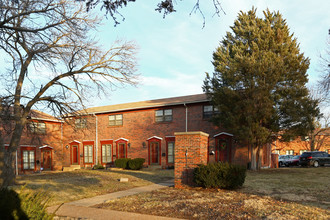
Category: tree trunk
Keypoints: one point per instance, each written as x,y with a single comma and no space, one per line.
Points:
253,157
7,170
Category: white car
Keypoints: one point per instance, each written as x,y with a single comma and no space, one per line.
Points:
284,159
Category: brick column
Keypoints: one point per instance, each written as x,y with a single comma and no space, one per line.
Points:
191,149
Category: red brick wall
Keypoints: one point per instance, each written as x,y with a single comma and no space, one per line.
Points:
191,149
137,127
52,138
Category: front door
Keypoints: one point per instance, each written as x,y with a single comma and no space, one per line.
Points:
222,150
74,154
121,150
47,160
154,152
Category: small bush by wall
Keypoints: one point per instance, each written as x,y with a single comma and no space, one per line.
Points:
122,163
220,175
136,164
25,205
98,167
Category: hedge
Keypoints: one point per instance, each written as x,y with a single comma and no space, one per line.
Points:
122,163
220,175
136,164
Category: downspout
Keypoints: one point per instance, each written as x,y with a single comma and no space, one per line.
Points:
186,116
96,141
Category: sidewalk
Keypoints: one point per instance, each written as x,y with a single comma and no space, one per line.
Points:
81,209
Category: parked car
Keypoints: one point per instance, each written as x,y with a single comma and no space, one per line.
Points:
294,161
314,158
283,159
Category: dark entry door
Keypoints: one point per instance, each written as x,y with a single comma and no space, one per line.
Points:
121,150
47,160
74,154
154,152
222,150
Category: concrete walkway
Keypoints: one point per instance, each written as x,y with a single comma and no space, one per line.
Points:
81,209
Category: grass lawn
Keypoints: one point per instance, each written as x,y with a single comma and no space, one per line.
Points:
286,193
70,186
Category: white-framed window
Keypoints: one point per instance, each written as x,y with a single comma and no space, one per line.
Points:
209,111
106,153
302,151
37,127
115,120
88,153
164,115
170,152
326,150
289,152
277,152
28,160
81,123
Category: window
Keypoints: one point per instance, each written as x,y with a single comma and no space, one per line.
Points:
277,152
81,123
88,153
302,151
115,120
163,115
37,127
289,152
209,111
28,160
170,152
106,153
326,150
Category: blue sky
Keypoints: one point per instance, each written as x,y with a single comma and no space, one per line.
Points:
175,52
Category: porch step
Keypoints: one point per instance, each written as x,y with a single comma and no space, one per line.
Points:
71,168
153,167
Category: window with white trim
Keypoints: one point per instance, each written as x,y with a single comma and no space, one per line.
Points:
106,153
277,152
302,151
170,152
164,115
37,127
88,153
289,152
115,120
28,160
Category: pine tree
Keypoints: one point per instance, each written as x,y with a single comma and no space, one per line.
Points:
259,82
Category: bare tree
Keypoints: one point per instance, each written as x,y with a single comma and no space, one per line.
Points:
325,64
54,62
165,6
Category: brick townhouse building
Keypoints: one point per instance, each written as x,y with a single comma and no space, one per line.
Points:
41,144
302,144
145,129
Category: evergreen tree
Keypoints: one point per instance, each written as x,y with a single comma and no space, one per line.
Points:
259,82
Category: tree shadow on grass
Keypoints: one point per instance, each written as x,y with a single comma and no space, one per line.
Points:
151,176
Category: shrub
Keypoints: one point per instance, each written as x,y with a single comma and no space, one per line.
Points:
122,163
220,175
26,205
98,166
136,164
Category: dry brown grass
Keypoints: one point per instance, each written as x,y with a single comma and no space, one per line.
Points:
70,186
288,193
